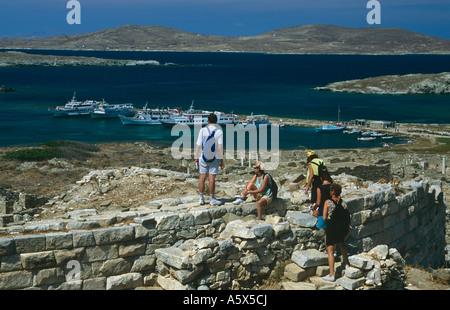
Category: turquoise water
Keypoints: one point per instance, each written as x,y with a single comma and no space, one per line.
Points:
277,85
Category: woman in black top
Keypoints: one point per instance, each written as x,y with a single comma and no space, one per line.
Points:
336,213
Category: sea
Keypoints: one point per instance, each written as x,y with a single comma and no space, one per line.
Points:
277,85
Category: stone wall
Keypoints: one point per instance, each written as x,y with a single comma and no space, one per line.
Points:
413,223
214,247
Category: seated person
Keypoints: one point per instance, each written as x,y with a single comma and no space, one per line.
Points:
260,187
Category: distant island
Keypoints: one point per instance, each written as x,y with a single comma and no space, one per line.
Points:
20,59
307,39
394,85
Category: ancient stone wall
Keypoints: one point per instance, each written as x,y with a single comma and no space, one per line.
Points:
215,247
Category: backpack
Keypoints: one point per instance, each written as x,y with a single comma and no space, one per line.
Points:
321,168
341,215
273,187
209,146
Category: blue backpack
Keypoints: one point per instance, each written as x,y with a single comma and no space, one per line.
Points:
209,146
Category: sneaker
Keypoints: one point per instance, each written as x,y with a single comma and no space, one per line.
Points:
328,278
215,202
201,201
238,201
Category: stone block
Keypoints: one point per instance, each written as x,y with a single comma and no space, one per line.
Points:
30,243
351,284
170,284
262,230
99,253
131,248
173,257
201,217
7,246
166,221
296,273
58,241
49,276
62,257
309,258
38,260
83,239
301,219
144,263
16,280
111,267
380,252
361,261
10,263
95,284
113,235
83,225
124,281
353,273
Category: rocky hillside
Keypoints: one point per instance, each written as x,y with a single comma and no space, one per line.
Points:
315,39
395,85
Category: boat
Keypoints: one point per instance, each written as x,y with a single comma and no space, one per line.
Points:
387,137
256,120
366,138
194,117
385,145
75,108
352,132
148,116
106,110
330,128
377,134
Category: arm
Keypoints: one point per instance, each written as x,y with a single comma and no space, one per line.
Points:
198,146
221,162
325,211
311,175
263,186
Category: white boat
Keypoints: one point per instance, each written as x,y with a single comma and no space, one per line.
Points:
106,110
352,132
256,120
75,108
149,116
366,138
199,118
387,137
377,134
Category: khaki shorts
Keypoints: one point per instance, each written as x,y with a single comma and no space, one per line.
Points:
266,198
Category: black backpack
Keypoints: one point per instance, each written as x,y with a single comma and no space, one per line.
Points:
321,168
341,215
273,187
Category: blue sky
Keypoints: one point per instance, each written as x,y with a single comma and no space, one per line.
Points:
28,18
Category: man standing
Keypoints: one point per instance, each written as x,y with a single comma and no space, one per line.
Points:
208,157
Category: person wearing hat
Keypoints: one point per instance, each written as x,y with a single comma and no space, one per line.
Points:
312,175
260,187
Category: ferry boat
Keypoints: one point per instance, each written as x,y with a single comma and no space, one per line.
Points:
199,118
106,110
75,108
256,120
149,116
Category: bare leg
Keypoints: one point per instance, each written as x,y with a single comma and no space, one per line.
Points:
201,183
330,251
261,204
344,253
212,184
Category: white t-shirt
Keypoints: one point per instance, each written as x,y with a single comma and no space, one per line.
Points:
218,140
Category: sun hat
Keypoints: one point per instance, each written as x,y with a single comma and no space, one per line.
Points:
310,153
259,165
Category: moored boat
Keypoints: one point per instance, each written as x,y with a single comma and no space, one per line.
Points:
366,138
75,108
106,110
254,120
199,118
149,116
330,128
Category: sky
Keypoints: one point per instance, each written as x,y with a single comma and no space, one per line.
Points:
44,18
